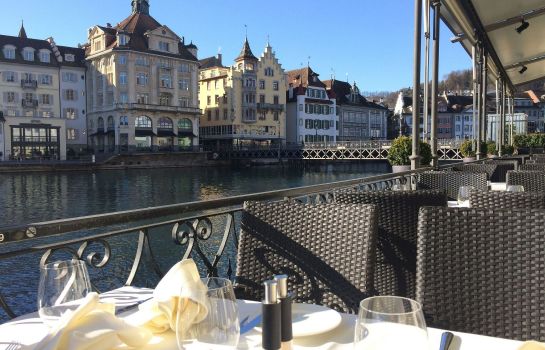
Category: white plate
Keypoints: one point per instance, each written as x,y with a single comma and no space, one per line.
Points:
310,319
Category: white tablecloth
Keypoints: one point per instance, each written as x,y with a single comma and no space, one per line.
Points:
28,330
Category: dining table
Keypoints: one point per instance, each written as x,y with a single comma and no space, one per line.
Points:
26,331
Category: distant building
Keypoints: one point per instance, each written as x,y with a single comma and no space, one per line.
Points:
142,86
519,120
311,109
43,98
245,103
359,119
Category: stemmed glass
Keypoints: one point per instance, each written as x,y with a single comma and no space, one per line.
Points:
463,195
515,188
63,285
390,322
220,329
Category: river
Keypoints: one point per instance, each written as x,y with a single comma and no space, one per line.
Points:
36,197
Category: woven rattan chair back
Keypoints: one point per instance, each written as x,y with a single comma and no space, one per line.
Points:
395,269
507,200
502,167
450,181
532,181
488,168
327,250
532,167
482,271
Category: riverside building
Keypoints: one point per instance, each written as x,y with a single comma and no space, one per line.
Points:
359,119
311,114
142,86
244,104
42,99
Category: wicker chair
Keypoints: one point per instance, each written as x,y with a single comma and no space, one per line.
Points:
450,181
327,250
395,268
482,271
532,167
502,167
532,181
488,168
509,200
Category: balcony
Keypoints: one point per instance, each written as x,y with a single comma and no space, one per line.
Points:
29,84
270,107
158,108
29,103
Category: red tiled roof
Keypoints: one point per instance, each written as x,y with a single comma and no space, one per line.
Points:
305,77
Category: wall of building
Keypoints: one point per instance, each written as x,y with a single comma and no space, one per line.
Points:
74,109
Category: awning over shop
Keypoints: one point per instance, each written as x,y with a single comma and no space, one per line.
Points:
186,133
144,132
166,133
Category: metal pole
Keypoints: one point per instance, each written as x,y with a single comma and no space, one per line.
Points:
475,87
510,115
497,120
415,156
484,83
435,82
426,68
502,118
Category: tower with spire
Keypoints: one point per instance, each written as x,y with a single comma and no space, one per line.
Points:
140,6
22,31
246,60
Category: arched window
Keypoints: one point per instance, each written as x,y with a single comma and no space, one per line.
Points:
100,123
185,124
165,123
142,122
111,122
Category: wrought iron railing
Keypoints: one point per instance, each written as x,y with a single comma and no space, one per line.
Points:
139,239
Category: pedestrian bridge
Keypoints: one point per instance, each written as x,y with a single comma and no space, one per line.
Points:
359,150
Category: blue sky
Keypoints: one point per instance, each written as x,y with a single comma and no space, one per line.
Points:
370,40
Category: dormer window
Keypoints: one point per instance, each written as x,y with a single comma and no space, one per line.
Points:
45,56
98,45
123,40
28,54
9,52
164,46
69,57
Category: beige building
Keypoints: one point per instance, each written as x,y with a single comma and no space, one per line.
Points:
142,86
245,103
35,99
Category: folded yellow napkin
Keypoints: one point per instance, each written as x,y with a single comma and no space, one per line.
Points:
180,286
532,345
93,325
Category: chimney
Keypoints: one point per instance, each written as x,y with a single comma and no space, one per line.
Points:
219,58
290,91
109,25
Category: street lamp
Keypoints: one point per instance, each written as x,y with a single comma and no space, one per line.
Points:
3,121
316,127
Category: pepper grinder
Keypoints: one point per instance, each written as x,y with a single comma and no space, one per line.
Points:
271,313
285,305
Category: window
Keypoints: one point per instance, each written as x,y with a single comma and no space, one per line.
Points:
183,84
276,115
261,98
45,56
9,77
123,78
300,107
71,134
98,45
123,120
225,114
123,98
10,97
70,113
69,77
183,102
46,79
217,99
262,115
166,81
122,59
217,114
9,52
208,100
275,85
269,72
184,68
209,115
185,124
142,79
276,100
28,55
70,95
249,98
69,57
165,123
164,46
46,99
141,61
123,39
142,98
142,122
262,84
164,99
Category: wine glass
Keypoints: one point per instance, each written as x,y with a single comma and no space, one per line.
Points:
401,187
515,188
62,287
220,329
390,322
463,195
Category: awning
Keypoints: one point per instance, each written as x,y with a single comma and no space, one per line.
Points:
186,133
511,29
165,133
141,133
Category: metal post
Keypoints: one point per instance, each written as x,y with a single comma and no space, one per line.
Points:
510,115
415,156
475,88
497,120
426,113
502,118
484,83
435,82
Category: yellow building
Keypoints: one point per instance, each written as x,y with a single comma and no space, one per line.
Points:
244,104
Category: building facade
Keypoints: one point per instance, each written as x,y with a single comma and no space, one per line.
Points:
359,119
33,95
142,86
244,104
311,109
